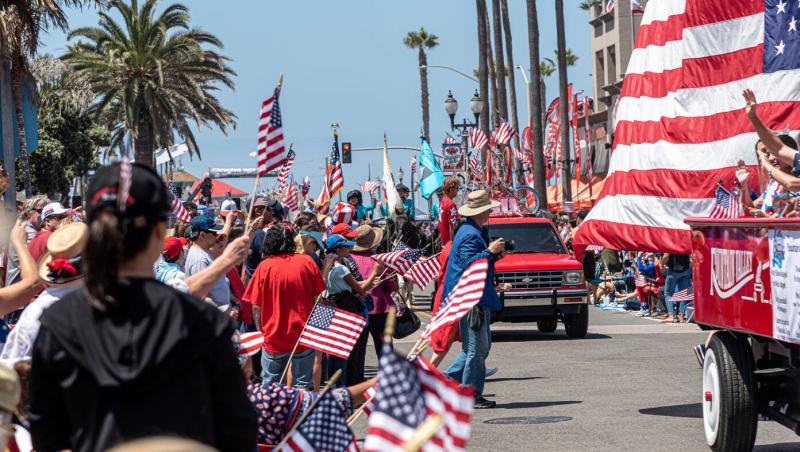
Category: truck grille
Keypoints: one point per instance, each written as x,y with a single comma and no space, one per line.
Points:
532,280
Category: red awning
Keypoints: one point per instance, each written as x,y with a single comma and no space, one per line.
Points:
580,195
219,188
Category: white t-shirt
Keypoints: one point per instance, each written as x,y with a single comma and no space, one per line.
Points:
19,344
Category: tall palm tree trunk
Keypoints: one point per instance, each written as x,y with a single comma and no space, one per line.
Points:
17,75
500,66
561,44
423,82
535,119
7,118
490,61
144,145
483,71
512,87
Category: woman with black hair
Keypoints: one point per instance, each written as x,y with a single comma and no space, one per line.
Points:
127,356
282,291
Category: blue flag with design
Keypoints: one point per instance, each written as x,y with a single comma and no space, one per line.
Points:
432,176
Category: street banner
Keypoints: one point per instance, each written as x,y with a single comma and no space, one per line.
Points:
784,253
452,158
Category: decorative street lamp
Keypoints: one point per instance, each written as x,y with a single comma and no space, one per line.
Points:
451,107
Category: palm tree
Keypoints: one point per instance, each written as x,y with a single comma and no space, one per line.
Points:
512,87
422,40
586,4
152,76
499,60
21,23
561,54
483,69
539,173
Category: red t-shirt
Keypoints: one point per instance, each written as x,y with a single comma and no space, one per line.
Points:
38,245
447,218
283,288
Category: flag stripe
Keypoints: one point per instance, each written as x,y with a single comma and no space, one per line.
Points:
386,433
651,211
672,184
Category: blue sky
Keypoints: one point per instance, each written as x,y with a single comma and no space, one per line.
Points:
345,62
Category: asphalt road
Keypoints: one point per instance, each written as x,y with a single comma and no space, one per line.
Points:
631,384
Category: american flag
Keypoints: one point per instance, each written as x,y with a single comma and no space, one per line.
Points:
290,198
640,280
409,392
503,133
325,429
569,206
178,210
466,294
335,177
685,295
594,248
527,141
726,204
250,343
305,187
271,151
370,186
610,6
399,260
413,164
675,105
283,175
475,166
324,200
332,331
477,139
521,156
423,271
448,139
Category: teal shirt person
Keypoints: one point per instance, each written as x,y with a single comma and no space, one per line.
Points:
364,212
408,209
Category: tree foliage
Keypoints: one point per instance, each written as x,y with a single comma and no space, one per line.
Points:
68,135
155,76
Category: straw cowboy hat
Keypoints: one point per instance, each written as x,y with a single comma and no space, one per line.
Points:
368,238
62,262
477,202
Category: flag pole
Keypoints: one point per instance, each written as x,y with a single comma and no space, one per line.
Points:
328,386
294,349
424,433
258,174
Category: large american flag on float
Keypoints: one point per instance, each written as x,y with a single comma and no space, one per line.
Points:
409,392
680,118
466,294
271,150
332,331
325,429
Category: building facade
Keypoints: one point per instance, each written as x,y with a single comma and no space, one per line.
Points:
612,35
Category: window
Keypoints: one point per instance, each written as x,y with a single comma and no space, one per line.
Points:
600,71
612,64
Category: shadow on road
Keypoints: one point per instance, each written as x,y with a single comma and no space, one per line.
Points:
780,447
517,405
692,410
516,335
497,380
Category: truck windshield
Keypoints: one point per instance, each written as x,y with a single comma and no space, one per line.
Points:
529,237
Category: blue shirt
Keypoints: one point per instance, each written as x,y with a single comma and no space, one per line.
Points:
648,270
470,244
363,212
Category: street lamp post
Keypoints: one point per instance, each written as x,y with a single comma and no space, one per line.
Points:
451,108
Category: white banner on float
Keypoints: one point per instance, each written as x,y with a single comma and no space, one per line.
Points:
784,268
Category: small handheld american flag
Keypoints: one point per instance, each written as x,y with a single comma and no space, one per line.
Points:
413,164
332,331
726,203
370,186
466,294
283,175
325,428
178,210
250,343
290,197
271,150
335,176
685,295
503,133
423,271
640,280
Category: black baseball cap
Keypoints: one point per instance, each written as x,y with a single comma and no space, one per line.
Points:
148,201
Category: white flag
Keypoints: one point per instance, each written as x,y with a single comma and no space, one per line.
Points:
393,200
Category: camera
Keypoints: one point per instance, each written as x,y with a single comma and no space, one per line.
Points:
510,244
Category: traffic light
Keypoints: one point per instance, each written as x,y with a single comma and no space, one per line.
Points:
347,157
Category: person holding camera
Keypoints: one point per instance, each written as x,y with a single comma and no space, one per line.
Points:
470,244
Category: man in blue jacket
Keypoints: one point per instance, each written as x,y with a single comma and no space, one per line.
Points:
470,244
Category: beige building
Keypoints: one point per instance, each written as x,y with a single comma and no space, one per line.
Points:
612,43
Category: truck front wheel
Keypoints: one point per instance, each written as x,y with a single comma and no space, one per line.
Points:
729,406
576,325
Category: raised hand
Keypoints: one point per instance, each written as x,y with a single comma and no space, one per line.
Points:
750,102
742,174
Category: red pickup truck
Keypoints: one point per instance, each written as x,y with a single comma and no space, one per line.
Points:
547,282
